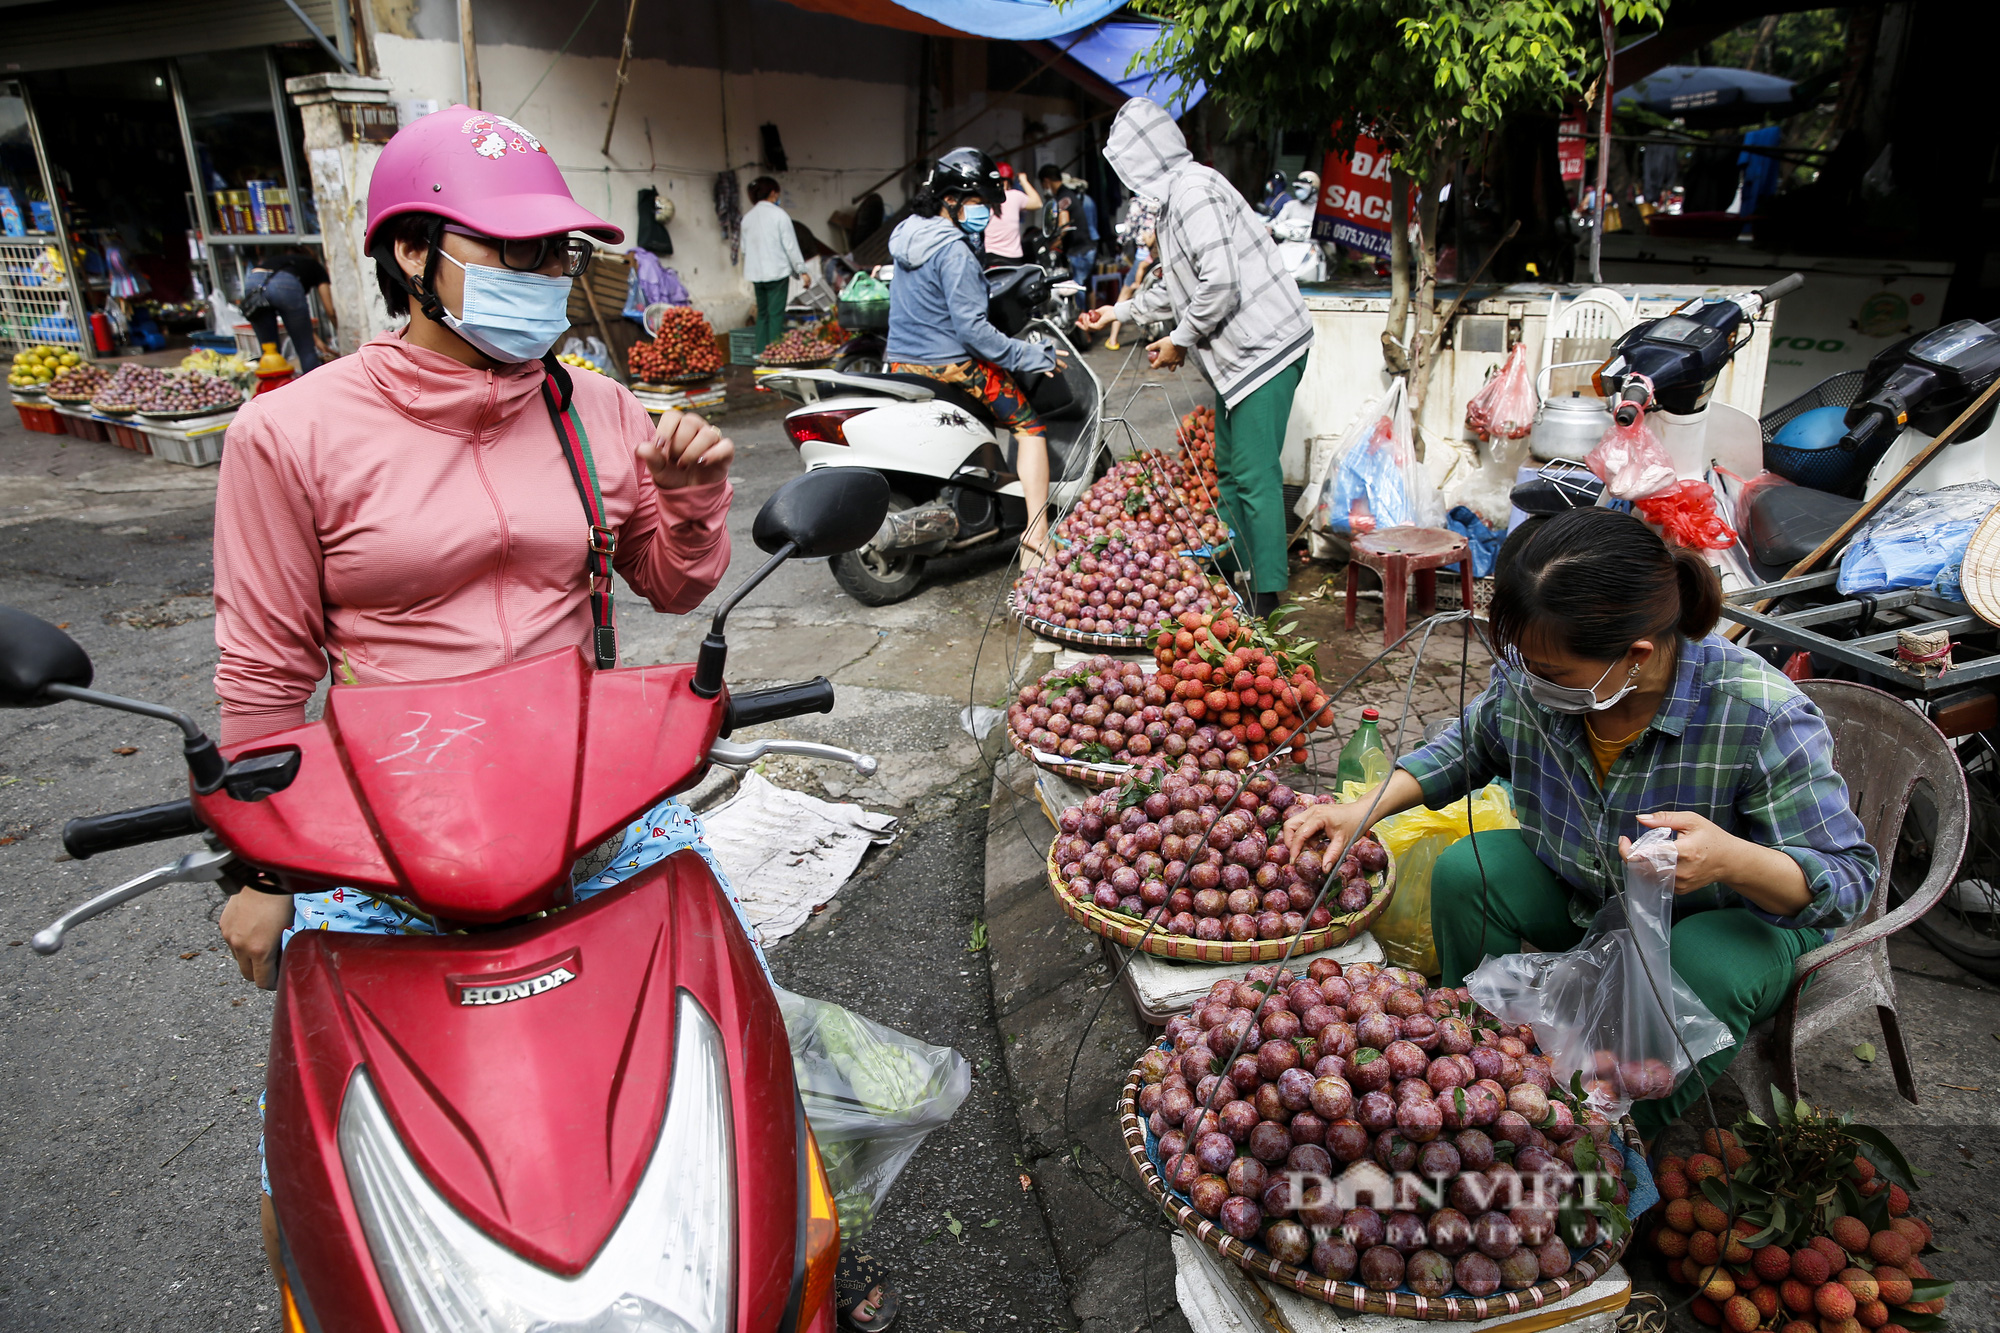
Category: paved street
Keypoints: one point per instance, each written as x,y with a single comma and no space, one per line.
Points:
134,1057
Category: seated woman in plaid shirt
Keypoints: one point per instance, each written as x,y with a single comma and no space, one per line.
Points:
1617,709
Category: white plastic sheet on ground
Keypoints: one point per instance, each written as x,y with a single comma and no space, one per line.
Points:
787,852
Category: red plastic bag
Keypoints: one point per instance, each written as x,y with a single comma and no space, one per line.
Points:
1505,406
1686,514
1631,461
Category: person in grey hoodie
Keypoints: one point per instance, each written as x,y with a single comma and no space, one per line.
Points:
1236,309
938,325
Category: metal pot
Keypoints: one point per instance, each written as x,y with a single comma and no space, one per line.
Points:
1569,427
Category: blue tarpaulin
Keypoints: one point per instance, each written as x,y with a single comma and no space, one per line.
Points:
1108,52
1003,20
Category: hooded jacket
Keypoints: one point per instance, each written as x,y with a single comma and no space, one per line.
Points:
937,303
405,517
1236,308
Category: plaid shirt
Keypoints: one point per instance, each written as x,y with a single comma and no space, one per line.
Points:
1733,741
1239,310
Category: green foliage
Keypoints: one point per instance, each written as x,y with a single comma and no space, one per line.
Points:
1801,1173
1433,74
1792,46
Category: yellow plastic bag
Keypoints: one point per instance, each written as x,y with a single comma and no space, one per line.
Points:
1416,838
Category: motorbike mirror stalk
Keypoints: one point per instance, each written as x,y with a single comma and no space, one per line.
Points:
204,761
714,654
822,513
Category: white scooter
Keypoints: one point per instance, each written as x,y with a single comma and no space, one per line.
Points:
950,464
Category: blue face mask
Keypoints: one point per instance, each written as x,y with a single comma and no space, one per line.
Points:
975,218
512,317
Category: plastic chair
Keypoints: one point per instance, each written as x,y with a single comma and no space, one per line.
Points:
1883,748
1597,316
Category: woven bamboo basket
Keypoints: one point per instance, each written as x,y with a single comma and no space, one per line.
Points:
1089,777
1048,629
1588,1267
1124,931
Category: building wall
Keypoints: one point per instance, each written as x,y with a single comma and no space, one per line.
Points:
842,95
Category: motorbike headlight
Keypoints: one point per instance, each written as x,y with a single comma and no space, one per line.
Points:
669,1267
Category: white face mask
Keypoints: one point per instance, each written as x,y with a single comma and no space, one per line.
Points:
512,317
1573,699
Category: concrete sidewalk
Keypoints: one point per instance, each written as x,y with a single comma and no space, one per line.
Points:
1070,1036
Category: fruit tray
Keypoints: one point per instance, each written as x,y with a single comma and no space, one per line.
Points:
797,365
216,410
1115,776
1077,638
1587,1267
1055,633
1129,933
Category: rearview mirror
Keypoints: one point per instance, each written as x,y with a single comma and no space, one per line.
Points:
35,655
825,512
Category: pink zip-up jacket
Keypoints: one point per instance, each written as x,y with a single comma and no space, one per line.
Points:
402,517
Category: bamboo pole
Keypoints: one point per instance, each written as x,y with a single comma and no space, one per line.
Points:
469,50
624,68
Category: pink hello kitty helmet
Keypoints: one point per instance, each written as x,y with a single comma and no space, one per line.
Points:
481,171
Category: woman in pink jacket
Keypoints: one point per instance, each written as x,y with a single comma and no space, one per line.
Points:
410,512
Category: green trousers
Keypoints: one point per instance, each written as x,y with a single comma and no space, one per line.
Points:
1737,962
1248,441
770,310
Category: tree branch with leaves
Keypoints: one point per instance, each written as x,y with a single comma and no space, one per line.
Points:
1432,79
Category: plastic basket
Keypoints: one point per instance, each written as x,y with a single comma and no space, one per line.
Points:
1831,469
202,450
82,425
38,417
743,347
128,437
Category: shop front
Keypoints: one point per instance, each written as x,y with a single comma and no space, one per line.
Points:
161,149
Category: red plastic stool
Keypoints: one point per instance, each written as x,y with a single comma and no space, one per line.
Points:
1396,554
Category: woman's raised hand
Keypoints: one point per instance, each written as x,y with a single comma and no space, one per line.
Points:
686,451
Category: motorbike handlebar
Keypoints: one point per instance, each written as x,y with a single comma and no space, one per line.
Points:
780,701
1782,287
85,837
1633,397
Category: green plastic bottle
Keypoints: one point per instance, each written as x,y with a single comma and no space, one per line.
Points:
1364,759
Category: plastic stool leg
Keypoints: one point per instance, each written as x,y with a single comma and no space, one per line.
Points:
1465,587
1426,581
1353,589
1395,598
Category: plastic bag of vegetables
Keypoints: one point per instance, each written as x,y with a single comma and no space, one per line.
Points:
871,1095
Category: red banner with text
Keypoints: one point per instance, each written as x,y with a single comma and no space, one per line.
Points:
1354,198
1569,146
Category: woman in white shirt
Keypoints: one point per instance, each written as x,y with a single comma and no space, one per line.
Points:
771,258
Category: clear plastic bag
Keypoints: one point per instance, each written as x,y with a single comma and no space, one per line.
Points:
1918,540
592,350
1597,1010
1417,838
1505,406
1631,461
1374,482
871,1095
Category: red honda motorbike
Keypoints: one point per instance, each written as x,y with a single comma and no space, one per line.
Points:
560,1117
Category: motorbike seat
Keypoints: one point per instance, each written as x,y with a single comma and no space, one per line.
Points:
956,395
1785,524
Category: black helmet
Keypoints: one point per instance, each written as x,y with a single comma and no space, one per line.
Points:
964,171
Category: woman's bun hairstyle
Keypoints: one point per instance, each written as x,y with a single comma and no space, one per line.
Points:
1594,582
1700,589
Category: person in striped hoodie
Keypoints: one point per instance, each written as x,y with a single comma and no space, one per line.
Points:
1235,309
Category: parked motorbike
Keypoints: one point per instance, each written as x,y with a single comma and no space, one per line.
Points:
950,464
554,1115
